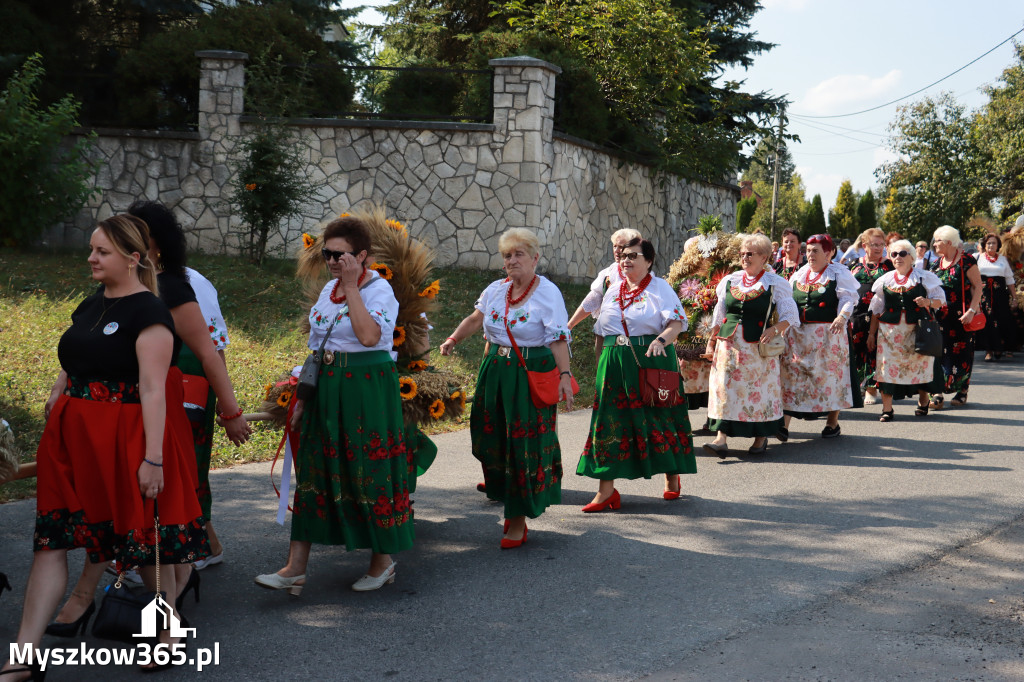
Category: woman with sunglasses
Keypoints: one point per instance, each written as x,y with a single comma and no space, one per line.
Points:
639,321
996,285
866,270
352,473
816,372
745,398
606,280
961,281
901,298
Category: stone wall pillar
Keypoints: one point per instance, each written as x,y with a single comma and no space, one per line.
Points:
221,104
524,114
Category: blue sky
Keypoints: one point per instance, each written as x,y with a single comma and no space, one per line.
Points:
835,57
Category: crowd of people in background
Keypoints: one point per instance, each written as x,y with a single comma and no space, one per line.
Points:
800,330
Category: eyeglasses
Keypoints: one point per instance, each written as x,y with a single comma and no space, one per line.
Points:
747,254
899,254
334,255
632,255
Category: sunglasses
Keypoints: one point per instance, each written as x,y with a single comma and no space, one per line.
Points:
899,254
632,255
747,254
335,255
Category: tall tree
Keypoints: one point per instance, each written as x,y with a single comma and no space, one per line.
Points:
933,181
997,132
843,221
789,210
814,219
866,211
762,162
745,210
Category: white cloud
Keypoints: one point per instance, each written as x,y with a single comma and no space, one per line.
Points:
825,184
840,94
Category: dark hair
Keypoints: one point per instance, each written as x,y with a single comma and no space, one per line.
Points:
351,229
790,230
984,240
166,232
824,240
646,249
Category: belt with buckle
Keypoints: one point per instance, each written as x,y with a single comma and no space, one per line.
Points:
504,351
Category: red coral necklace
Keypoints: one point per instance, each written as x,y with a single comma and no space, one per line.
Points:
896,278
626,297
749,282
509,301
807,277
334,292
991,259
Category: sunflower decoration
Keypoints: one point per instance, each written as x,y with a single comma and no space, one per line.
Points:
267,388
284,398
407,387
395,225
383,270
417,365
432,290
307,241
437,409
399,335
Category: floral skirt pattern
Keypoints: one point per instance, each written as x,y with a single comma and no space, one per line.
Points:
898,363
353,467
515,442
627,438
745,397
816,370
87,492
696,375
957,352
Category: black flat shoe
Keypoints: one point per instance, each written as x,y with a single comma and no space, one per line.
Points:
721,450
887,416
782,434
921,410
753,450
72,629
830,431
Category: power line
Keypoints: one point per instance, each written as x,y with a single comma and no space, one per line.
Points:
866,131
832,132
852,151
916,92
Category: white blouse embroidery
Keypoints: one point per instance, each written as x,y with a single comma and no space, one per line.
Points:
846,284
540,320
932,287
380,302
209,306
1001,268
782,296
650,313
592,301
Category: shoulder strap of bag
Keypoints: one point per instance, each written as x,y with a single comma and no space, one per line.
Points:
328,334
628,343
512,339
963,285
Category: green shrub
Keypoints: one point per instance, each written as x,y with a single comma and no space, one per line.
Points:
745,210
44,181
422,94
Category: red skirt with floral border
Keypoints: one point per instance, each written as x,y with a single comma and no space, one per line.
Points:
88,490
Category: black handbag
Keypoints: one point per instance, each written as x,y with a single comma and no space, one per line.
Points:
928,337
310,374
119,617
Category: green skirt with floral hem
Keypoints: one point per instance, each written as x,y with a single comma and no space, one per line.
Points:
629,439
515,442
202,423
353,469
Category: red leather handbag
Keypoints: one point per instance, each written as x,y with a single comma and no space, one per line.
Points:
543,385
658,387
977,322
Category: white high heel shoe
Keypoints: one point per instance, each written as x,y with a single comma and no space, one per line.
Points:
273,581
368,583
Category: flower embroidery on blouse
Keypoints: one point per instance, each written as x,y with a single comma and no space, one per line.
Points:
745,295
518,317
560,334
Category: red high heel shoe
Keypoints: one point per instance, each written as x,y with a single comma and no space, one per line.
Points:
482,487
674,494
504,528
511,544
613,502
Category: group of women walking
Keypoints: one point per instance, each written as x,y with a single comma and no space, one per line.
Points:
121,456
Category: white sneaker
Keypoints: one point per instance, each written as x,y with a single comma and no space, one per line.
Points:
869,399
368,583
211,560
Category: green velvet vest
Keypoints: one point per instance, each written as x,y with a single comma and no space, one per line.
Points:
820,304
748,313
896,303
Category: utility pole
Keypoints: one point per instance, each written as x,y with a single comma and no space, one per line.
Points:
778,153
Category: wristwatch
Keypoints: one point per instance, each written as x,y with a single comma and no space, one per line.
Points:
663,341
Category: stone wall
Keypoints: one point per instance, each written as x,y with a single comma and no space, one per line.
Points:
457,186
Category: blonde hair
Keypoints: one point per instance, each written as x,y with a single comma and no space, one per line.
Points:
519,236
130,235
902,245
862,240
759,243
627,233
947,233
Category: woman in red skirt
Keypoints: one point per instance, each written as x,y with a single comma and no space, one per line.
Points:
116,436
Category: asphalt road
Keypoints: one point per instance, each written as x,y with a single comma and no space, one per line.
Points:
870,556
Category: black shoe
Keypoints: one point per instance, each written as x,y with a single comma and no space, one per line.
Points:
887,416
5,584
35,671
830,431
721,450
921,410
782,434
753,450
72,629
192,584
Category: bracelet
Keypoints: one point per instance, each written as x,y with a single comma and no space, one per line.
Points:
226,418
453,340
161,464
565,372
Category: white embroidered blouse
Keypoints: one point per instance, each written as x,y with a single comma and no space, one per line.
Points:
209,306
846,284
540,320
380,302
782,296
1001,268
932,287
650,313
592,301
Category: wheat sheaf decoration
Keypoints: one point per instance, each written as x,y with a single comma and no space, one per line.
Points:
407,264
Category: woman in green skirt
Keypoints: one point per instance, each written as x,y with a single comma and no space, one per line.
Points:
639,319
515,440
353,465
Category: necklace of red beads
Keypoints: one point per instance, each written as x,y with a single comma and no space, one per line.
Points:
334,292
509,301
991,259
896,278
807,277
626,297
751,281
